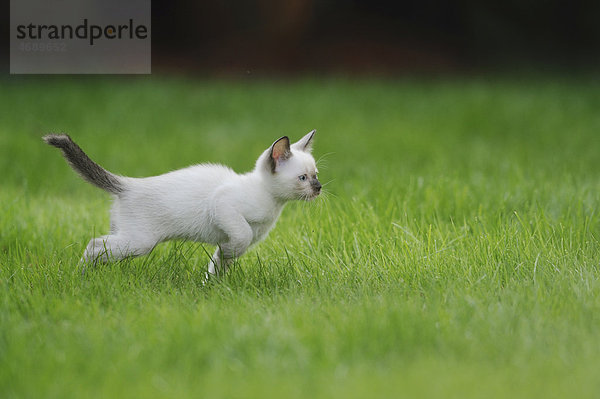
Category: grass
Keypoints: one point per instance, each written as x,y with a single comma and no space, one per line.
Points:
455,255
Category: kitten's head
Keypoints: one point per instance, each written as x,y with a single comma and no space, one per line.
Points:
291,169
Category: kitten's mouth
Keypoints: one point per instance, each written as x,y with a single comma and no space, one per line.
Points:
312,196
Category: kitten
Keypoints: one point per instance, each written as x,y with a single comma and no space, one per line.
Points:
205,203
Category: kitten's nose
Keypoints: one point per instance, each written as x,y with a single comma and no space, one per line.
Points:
316,185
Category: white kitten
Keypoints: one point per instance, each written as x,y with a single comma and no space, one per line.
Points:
205,203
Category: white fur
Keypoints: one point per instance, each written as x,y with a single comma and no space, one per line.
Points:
207,203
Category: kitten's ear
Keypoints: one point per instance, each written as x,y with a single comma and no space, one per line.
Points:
305,143
280,151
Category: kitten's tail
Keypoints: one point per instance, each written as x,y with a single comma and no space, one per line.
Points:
88,169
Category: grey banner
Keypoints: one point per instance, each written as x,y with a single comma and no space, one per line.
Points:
80,37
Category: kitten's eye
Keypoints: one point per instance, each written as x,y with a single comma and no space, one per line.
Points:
302,178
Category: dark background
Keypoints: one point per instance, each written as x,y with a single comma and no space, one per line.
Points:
265,37
270,36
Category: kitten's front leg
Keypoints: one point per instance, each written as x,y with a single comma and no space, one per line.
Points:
214,262
240,237
214,266
218,264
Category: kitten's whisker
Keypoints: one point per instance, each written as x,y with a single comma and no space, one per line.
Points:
327,194
322,157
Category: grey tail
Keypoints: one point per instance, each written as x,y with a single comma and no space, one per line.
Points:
88,169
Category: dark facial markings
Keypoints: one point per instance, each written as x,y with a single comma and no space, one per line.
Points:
315,184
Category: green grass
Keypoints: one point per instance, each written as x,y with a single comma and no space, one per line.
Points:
456,253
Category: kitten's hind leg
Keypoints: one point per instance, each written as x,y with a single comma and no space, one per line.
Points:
115,247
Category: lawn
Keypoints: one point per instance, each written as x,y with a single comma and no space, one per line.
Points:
455,252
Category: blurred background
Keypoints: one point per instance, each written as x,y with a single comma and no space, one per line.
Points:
267,37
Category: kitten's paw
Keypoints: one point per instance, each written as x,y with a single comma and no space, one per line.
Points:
208,277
